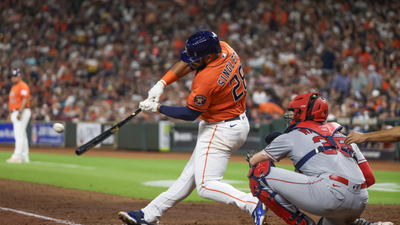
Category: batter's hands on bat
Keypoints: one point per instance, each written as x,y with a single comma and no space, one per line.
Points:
354,137
156,92
148,106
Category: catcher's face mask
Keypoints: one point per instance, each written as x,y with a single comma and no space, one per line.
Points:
289,116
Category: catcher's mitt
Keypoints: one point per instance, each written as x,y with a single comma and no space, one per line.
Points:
249,155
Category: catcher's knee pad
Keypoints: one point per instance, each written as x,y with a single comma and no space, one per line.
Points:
260,189
257,173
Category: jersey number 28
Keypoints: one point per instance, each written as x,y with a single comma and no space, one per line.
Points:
239,81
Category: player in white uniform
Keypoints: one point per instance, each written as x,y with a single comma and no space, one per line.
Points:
331,178
217,97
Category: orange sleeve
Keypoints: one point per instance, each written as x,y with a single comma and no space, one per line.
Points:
24,90
169,78
200,97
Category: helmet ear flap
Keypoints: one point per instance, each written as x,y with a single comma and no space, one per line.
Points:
318,109
297,115
296,118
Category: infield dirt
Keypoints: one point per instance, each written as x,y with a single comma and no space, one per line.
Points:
84,207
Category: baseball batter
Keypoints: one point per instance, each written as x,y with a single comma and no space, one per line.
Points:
217,97
20,114
331,179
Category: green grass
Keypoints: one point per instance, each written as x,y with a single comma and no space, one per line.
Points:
392,179
122,176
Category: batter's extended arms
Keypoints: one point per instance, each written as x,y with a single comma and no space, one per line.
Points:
97,140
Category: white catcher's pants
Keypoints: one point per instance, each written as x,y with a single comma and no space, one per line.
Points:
339,204
21,139
216,141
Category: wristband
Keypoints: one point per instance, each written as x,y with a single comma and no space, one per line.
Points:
169,78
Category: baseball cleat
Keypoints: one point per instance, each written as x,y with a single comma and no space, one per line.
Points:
362,221
14,160
259,214
131,217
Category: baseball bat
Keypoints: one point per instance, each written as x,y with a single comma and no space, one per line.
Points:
97,140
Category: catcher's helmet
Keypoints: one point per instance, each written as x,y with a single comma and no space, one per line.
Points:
199,45
309,106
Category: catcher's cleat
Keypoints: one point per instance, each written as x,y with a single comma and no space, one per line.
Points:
132,217
259,214
362,221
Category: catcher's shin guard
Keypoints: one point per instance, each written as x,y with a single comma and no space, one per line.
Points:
297,218
259,188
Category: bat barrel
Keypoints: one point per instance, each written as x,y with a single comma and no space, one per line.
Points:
79,151
97,140
83,149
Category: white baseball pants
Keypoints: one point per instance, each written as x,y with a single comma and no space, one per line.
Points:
21,139
216,141
338,203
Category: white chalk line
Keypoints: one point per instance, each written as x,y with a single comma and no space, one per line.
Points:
39,216
387,187
168,183
63,165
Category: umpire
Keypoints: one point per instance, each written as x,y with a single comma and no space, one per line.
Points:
19,114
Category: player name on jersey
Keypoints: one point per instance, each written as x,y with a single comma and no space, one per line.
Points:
226,73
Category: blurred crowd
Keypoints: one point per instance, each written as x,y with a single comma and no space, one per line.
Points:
95,60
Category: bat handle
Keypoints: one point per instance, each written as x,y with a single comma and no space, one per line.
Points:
137,111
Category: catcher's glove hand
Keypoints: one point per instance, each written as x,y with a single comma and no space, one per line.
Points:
249,155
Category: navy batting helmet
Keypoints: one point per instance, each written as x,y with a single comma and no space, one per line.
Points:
199,45
15,72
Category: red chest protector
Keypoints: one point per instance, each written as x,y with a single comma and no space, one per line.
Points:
325,129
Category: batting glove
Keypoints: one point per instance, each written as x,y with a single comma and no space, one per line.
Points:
156,92
148,106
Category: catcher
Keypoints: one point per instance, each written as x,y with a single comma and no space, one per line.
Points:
331,178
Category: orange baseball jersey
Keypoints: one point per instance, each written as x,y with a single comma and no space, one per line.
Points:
18,91
219,90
